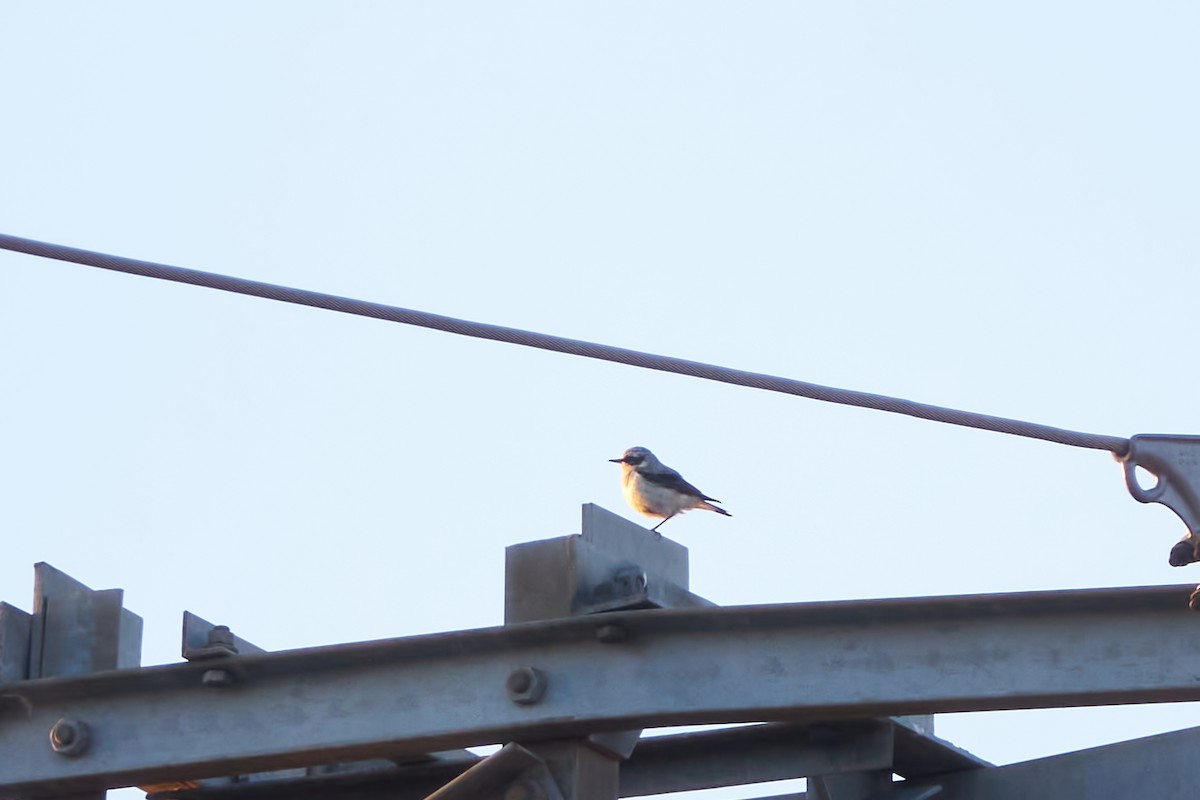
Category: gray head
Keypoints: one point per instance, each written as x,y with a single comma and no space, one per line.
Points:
636,457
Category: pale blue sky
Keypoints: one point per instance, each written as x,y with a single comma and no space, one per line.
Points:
992,208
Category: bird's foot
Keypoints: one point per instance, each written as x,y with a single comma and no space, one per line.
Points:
1184,552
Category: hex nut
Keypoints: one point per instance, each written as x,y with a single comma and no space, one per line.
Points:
70,737
217,678
221,636
525,685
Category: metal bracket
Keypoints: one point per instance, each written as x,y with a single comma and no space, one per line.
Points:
15,630
76,630
631,588
1175,461
203,640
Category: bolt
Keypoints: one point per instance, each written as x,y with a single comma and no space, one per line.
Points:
525,790
217,678
611,634
525,685
221,636
631,579
70,737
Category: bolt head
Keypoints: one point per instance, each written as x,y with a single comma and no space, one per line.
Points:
525,685
70,737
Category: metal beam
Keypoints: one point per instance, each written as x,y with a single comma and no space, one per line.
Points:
1162,767
420,694
379,779
660,764
755,754
920,754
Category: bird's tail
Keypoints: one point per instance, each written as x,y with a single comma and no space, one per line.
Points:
707,506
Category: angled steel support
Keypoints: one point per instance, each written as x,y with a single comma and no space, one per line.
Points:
756,754
77,630
511,767
202,640
16,629
1163,767
920,754
580,770
421,694
612,565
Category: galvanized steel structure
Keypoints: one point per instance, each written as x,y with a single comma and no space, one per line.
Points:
580,667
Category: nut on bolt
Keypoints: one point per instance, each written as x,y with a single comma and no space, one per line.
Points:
525,685
217,678
221,636
70,737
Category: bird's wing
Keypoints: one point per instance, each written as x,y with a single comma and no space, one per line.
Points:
670,479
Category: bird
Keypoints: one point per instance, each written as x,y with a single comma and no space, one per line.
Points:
654,489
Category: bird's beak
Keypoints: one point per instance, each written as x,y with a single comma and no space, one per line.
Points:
617,460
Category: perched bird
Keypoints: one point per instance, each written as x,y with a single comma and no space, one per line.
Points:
656,490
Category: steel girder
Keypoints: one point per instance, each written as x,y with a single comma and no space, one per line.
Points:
421,694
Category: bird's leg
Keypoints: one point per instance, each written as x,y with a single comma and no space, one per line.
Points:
654,530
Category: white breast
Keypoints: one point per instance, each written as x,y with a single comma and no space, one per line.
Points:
651,499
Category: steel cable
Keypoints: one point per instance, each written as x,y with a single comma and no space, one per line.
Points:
771,383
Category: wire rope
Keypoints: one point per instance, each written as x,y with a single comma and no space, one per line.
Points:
560,344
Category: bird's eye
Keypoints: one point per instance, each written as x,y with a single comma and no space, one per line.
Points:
634,460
